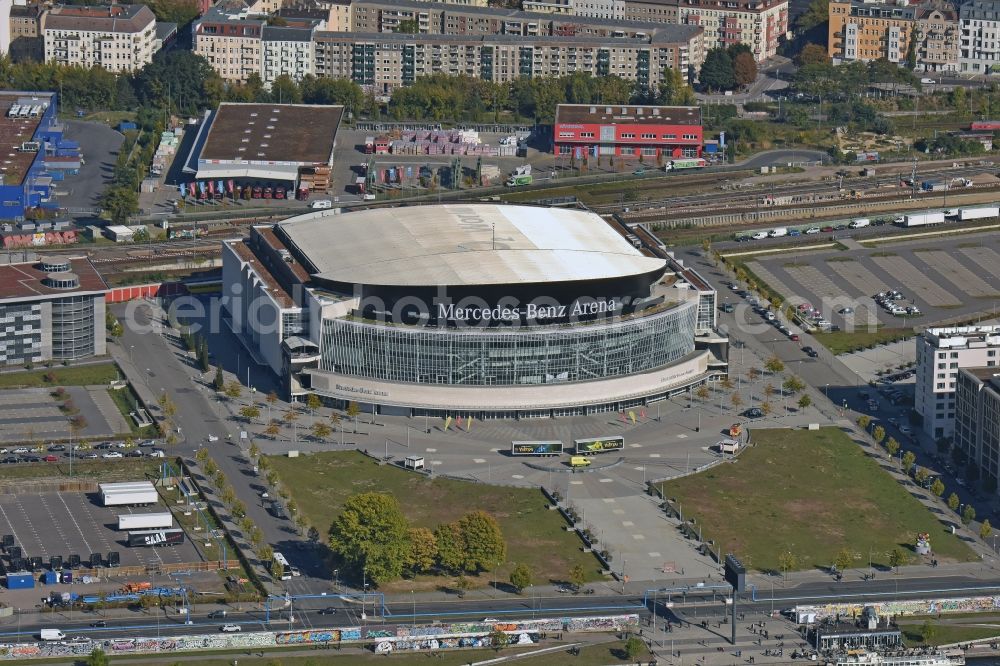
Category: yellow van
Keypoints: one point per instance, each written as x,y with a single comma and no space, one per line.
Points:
579,461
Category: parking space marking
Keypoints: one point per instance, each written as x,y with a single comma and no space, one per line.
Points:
639,537
10,525
431,450
436,462
517,476
628,523
606,480
72,517
31,528
682,436
654,455
576,483
635,446
654,554
479,461
639,468
986,258
953,271
618,512
608,500
914,279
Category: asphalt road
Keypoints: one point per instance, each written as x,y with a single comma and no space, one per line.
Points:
99,145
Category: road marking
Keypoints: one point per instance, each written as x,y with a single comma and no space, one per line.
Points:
431,450
436,462
639,537
682,436
576,483
618,512
69,512
609,500
479,461
517,476
639,468
654,555
628,523
654,455
635,446
606,480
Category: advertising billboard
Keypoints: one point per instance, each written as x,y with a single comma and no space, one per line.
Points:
156,538
536,448
599,445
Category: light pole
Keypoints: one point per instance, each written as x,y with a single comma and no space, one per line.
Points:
495,580
336,578
414,600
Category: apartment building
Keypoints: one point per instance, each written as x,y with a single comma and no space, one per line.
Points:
941,353
119,38
937,35
652,11
230,42
611,10
979,46
387,61
286,50
977,421
25,36
760,24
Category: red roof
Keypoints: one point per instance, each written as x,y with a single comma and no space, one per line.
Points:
25,280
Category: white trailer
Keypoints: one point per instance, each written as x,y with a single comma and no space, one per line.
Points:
144,521
922,219
128,494
978,213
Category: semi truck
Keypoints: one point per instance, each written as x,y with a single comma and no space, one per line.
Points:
922,219
145,521
171,537
978,213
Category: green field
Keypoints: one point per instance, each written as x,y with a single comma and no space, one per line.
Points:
74,375
125,400
535,535
843,342
946,634
811,493
105,470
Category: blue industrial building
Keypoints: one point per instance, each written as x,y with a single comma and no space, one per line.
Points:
29,132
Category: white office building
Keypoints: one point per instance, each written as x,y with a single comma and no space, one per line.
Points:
941,353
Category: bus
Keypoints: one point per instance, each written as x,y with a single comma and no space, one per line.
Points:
286,568
685,163
594,445
536,448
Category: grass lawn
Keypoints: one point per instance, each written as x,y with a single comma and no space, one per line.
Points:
535,536
78,375
125,400
843,342
945,634
125,469
811,493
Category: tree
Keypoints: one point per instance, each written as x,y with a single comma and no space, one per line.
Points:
717,71
520,577
353,409
272,429
407,27
753,374
233,390
804,401
313,402
766,408
499,639
985,530
953,501
313,535
250,412
321,430
423,551
909,458
483,544
219,383
768,391
897,558
927,632
179,81
97,658
371,533
254,450
634,646
300,522
736,400
811,54
878,434
787,561
937,487
272,477
201,455
744,70
864,421
921,475
892,446
577,576
774,365
277,569
702,393
203,363
968,514
843,560
726,383
120,203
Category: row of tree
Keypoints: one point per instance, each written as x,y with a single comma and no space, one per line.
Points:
372,536
728,68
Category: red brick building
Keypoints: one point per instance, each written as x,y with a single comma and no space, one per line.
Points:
653,132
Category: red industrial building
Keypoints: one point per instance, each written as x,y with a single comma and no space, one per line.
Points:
654,132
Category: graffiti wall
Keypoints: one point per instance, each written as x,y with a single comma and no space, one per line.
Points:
40,239
385,638
906,607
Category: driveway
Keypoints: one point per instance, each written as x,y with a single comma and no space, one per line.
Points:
99,145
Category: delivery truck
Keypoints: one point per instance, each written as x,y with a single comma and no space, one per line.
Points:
52,635
145,521
923,219
978,213
518,181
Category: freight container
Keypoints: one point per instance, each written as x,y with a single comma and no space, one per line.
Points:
978,213
50,578
22,580
921,219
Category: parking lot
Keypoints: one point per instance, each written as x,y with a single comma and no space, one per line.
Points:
34,415
943,278
74,523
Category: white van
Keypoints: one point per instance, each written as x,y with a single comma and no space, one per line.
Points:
321,203
860,223
777,233
51,635
759,235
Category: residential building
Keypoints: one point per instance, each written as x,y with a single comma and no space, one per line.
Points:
288,51
937,36
25,37
979,22
610,10
652,11
941,353
760,24
231,42
339,17
387,61
977,421
52,310
549,6
119,38
654,132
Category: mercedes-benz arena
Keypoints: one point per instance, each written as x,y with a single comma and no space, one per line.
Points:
488,310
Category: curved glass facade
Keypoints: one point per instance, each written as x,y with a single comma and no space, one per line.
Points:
497,357
72,327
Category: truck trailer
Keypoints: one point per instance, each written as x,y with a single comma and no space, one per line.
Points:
923,219
145,521
171,537
128,494
978,213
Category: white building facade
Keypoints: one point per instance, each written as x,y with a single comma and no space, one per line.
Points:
119,38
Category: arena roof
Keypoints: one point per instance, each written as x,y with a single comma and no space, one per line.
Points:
475,244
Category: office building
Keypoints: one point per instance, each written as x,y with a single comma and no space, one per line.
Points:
655,133
977,421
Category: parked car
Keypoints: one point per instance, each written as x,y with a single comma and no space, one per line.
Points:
231,628
330,610
57,447
812,230
113,454
321,203
753,413
810,352
794,337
